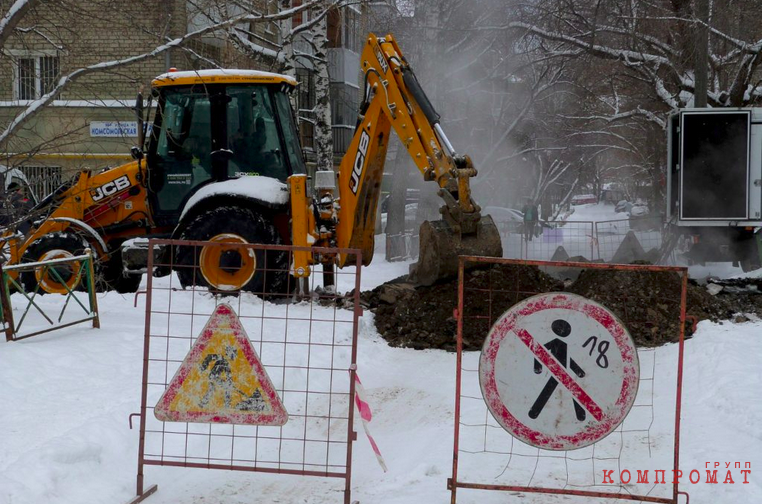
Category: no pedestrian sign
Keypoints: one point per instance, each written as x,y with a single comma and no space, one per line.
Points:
559,371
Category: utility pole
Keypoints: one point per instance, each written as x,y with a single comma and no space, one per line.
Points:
701,66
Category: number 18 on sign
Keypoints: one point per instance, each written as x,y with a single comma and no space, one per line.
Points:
559,371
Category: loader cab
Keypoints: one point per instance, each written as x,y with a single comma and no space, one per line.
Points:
215,125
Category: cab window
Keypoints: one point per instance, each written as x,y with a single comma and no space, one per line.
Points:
183,148
290,134
253,134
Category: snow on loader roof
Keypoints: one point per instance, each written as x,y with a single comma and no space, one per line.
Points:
221,76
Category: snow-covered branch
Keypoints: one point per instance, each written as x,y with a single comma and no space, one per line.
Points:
601,51
13,17
44,36
241,37
65,81
618,117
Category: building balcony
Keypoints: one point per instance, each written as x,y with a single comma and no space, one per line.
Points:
344,66
342,137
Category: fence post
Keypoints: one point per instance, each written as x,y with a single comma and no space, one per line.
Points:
597,239
5,304
91,289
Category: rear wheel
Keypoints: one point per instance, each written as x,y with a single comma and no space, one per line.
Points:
231,267
753,255
54,279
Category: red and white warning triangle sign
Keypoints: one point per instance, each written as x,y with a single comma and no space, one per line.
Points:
222,380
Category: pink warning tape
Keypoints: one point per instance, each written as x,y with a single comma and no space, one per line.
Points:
366,416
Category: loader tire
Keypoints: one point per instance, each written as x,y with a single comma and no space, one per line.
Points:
126,284
230,269
115,277
54,246
752,259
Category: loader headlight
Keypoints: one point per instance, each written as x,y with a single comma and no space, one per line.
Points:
325,180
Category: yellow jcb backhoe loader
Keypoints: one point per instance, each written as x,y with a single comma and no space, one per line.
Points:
222,163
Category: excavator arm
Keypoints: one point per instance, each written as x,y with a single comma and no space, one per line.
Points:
395,99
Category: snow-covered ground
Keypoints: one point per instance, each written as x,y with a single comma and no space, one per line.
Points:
66,397
751,274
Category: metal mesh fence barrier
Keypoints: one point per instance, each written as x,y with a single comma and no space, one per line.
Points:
307,350
488,457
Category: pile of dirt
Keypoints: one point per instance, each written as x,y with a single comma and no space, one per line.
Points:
647,302
742,294
422,317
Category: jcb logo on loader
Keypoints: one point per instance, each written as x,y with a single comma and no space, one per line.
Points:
110,188
381,59
362,151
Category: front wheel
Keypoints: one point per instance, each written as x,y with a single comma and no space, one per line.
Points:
231,266
58,278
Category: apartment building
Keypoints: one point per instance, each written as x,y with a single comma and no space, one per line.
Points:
91,124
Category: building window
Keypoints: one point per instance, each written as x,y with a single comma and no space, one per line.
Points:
300,17
305,104
306,96
344,29
345,101
344,109
272,30
351,29
36,76
334,29
43,180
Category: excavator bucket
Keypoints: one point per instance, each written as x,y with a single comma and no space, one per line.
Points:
440,246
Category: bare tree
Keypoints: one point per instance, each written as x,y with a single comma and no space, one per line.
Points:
632,63
323,123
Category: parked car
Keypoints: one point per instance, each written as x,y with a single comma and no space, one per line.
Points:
639,211
583,199
641,218
412,197
510,220
623,206
501,214
411,210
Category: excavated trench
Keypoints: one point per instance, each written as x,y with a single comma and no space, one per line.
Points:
648,303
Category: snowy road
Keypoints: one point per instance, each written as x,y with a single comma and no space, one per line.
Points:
66,396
